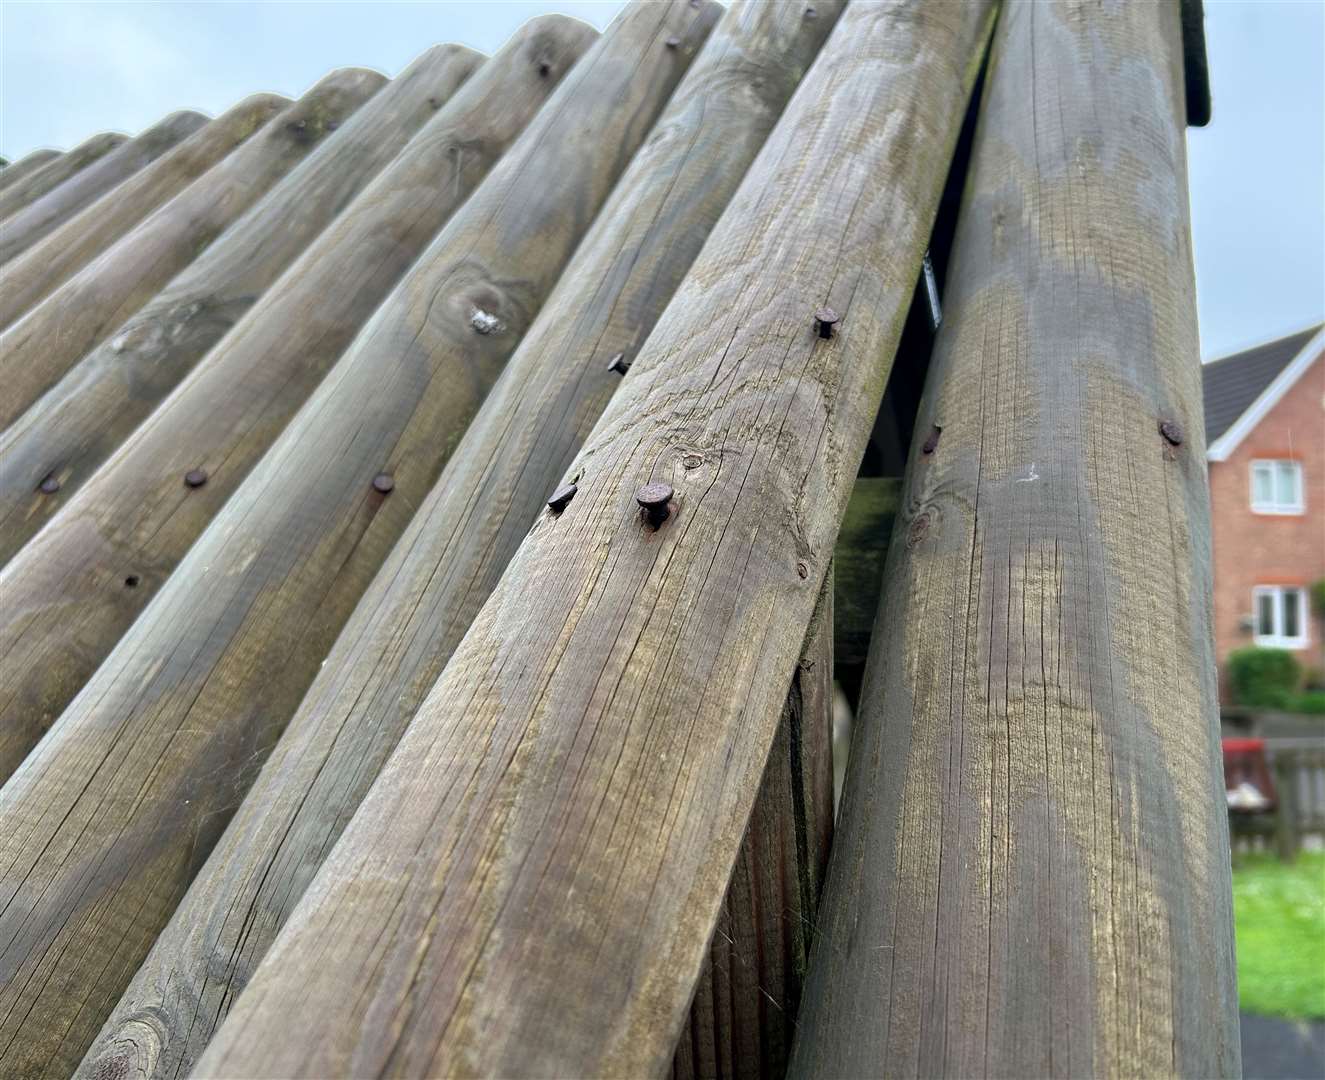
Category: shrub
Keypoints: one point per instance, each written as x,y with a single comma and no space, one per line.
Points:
1264,678
1313,702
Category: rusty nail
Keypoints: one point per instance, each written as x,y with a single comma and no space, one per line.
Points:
653,498
132,581
1171,431
619,364
824,320
49,486
561,497
932,442
382,482
673,43
195,478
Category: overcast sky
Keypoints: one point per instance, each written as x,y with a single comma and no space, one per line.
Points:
68,70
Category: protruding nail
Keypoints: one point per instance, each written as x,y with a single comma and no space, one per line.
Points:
195,478
561,498
673,43
619,364
810,13
383,483
654,498
544,69
49,486
1171,431
824,321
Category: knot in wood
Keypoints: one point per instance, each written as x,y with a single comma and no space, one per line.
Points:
918,531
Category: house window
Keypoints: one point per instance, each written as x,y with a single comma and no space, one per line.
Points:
1276,487
1280,616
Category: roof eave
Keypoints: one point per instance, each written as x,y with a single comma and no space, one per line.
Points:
1268,398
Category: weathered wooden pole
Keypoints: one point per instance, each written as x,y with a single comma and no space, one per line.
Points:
1030,875
452,554
198,690
76,424
17,196
743,1016
25,166
90,307
530,886
39,271
63,602
44,215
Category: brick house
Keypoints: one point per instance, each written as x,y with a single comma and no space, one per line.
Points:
1265,433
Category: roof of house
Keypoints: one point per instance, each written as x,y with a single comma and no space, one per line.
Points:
1233,384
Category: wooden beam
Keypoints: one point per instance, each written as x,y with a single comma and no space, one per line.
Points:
198,690
90,307
44,215
25,166
39,271
530,885
403,631
1031,870
17,196
80,421
63,602
743,1017
858,556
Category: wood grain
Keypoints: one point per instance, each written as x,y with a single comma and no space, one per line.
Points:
450,557
530,886
1031,870
17,196
63,601
81,420
744,1013
197,691
90,307
858,560
28,279
25,166
44,215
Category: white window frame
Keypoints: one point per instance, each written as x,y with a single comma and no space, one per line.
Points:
1278,640
1274,506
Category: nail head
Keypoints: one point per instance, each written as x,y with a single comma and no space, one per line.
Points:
561,498
654,499
195,478
49,486
673,42
1172,432
619,364
825,319
383,483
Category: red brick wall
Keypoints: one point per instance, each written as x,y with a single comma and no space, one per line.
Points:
1259,549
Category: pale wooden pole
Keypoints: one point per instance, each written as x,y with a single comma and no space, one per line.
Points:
27,279
397,642
531,885
44,215
37,350
63,599
50,176
196,693
1030,875
25,166
81,420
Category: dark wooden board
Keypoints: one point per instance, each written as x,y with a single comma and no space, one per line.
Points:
1030,875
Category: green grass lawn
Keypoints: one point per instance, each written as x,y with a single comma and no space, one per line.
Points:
1280,915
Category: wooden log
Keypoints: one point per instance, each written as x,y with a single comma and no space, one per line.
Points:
81,420
36,351
25,166
43,216
28,279
55,628
858,556
17,196
743,1017
530,885
452,554
1031,870
227,648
